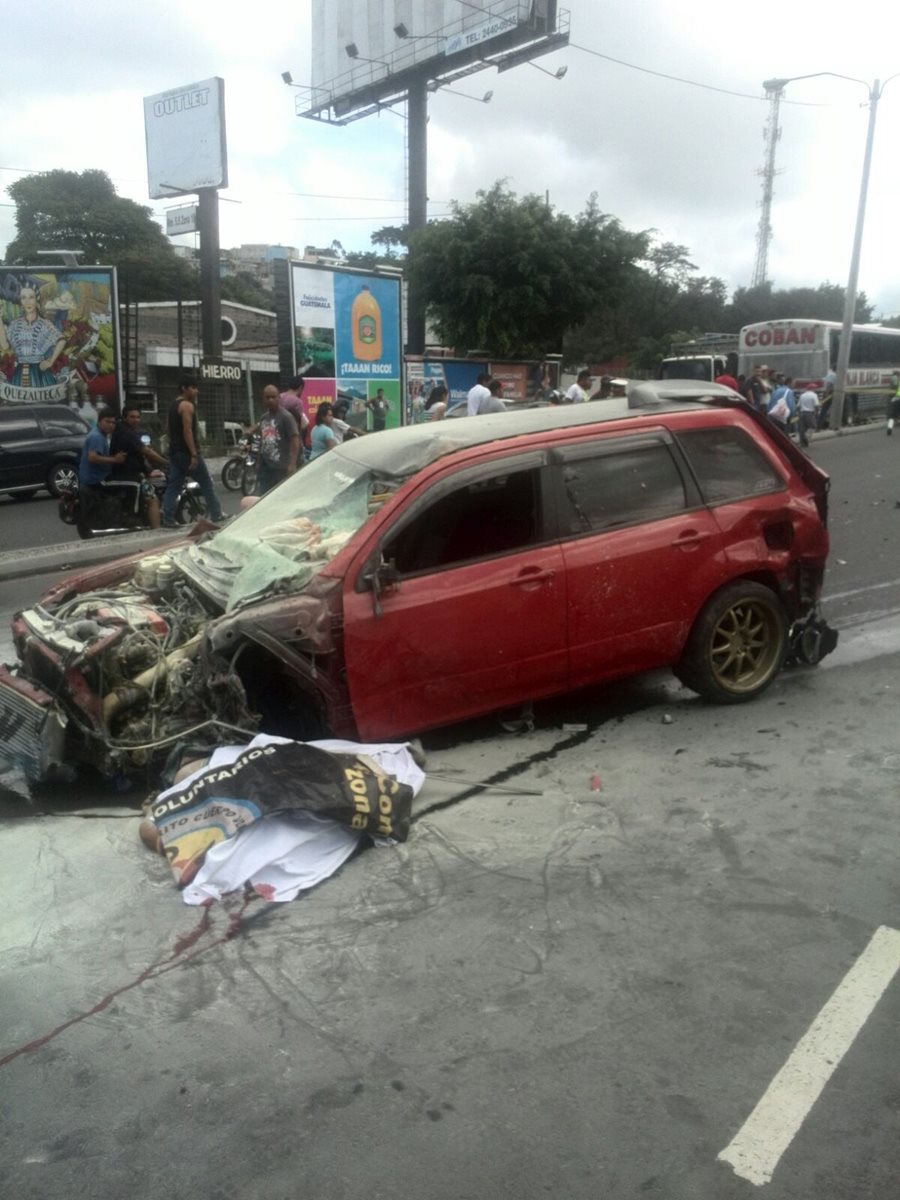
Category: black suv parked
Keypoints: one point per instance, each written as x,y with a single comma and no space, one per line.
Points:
40,445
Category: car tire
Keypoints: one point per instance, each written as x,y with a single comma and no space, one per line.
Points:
69,508
62,477
191,509
737,645
20,496
232,474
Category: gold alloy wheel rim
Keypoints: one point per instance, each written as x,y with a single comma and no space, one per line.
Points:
745,646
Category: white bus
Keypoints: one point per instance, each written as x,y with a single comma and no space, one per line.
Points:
806,349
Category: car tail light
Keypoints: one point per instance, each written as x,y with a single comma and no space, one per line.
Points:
779,535
810,577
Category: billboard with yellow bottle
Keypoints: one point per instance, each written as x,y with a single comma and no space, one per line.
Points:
347,329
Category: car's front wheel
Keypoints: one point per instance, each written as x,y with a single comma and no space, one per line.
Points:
62,477
738,644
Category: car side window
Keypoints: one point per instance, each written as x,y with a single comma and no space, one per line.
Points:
481,519
64,425
728,465
18,427
639,483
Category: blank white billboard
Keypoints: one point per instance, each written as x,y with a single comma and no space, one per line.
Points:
185,131
368,25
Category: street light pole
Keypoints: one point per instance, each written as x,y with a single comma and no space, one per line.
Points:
875,93
837,407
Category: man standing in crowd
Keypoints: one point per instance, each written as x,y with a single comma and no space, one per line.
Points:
477,393
279,442
184,455
579,391
294,402
133,469
783,404
893,402
807,407
492,403
378,406
753,388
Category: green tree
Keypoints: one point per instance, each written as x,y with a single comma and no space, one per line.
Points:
80,211
766,303
510,276
242,288
393,239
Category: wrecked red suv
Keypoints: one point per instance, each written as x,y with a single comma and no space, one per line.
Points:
428,574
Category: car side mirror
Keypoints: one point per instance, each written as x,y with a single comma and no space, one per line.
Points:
383,576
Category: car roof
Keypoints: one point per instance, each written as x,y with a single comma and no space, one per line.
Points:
401,452
40,410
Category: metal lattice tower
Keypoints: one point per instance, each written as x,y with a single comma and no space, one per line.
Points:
774,91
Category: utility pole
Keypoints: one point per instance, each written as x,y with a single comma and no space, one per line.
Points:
774,90
837,406
417,213
210,280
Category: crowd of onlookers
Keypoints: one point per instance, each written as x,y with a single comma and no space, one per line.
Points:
799,411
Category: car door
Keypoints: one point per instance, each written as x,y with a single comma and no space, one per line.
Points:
475,619
641,553
764,523
22,449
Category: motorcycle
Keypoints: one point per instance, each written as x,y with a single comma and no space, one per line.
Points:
239,473
116,512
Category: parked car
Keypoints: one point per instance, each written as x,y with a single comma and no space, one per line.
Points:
429,574
40,445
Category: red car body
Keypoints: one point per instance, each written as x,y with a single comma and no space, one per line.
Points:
454,571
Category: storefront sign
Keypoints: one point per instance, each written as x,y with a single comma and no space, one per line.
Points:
215,370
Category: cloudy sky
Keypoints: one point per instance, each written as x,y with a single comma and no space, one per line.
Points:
660,154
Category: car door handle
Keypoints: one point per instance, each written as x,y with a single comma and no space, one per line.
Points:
531,575
691,538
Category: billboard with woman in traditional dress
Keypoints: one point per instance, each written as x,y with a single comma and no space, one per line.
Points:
58,335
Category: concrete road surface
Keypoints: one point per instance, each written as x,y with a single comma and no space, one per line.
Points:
579,982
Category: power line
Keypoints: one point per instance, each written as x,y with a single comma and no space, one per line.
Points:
709,87
393,218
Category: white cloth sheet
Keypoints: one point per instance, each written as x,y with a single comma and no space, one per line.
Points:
286,853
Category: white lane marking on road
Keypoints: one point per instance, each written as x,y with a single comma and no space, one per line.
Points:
861,591
755,1151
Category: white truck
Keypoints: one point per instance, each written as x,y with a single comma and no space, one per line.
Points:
703,358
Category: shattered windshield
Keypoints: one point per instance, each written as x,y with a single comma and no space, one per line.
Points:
290,533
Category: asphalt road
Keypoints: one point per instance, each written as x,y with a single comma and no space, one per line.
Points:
656,958
28,523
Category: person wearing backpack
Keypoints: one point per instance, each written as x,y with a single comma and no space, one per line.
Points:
783,405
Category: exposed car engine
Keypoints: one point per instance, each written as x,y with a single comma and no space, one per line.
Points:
131,670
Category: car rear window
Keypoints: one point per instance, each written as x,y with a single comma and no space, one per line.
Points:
728,464
641,483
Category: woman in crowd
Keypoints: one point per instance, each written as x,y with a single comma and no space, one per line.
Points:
322,437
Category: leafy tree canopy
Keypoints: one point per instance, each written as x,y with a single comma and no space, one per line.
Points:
510,275
73,210
766,303
242,288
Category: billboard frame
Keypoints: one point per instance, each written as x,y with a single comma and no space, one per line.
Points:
336,105
70,273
